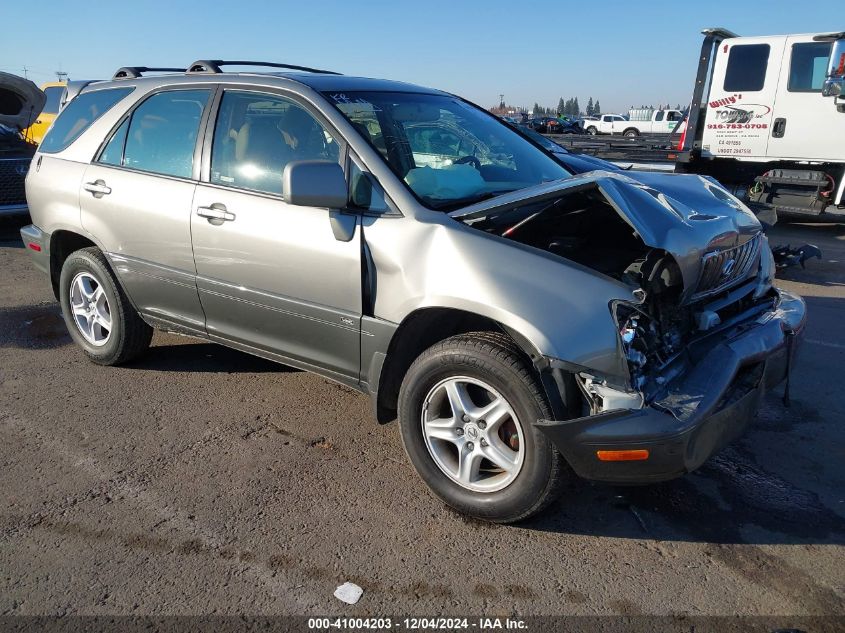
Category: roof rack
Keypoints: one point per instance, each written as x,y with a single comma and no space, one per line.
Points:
133,72
212,66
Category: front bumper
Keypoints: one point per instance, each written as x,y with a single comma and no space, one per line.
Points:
37,242
702,411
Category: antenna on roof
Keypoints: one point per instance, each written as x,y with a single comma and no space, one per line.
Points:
133,72
212,66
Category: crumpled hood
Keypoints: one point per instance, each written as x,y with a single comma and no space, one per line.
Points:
21,101
685,215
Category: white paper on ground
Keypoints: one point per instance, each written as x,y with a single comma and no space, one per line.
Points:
349,593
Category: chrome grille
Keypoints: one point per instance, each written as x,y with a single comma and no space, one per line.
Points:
12,177
721,269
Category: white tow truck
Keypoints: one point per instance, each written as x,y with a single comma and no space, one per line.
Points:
767,119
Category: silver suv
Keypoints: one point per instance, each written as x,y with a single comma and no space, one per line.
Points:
521,322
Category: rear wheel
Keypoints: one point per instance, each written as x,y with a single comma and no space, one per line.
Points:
631,133
467,408
98,315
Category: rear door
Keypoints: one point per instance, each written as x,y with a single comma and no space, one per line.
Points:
136,197
275,277
740,106
808,125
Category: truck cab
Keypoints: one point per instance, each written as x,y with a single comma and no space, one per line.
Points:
761,123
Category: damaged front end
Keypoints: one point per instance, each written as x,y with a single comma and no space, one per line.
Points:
705,335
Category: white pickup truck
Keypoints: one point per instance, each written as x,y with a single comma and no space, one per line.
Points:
605,124
650,121
640,121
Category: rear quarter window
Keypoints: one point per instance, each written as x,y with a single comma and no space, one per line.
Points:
78,116
746,71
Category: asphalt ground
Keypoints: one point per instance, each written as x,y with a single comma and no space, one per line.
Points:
201,480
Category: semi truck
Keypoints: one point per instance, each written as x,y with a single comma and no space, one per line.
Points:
767,119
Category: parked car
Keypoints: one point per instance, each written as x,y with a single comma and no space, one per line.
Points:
21,102
546,125
523,323
54,92
607,124
651,121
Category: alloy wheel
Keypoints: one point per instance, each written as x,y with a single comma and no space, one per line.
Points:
473,434
90,308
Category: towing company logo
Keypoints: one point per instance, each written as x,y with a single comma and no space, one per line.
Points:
726,112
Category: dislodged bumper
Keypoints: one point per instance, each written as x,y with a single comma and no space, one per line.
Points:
702,411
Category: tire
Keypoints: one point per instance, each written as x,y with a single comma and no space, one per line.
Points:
480,360
592,131
631,133
87,280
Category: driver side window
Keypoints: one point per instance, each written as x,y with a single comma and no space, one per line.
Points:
257,135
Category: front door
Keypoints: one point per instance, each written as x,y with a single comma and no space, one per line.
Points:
809,125
740,108
136,197
273,277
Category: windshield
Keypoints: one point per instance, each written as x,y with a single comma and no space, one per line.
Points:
449,153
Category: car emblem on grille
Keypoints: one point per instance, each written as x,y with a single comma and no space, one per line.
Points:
728,267
21,170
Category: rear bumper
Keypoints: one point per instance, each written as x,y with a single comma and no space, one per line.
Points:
705,409
37,242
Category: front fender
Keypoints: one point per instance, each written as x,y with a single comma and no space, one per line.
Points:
561,308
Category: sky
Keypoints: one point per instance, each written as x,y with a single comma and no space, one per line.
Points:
623,53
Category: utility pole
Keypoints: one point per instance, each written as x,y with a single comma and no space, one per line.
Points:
61,75
501,101
25,76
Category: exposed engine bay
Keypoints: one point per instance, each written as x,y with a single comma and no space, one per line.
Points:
733,282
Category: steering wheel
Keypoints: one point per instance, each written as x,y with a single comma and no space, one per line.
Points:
472,160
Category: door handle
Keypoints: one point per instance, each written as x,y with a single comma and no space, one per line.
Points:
779,128
98,188
215,212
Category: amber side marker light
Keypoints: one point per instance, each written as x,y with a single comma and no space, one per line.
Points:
622,456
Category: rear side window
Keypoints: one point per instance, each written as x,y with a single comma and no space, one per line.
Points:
808,66
78,116
746,70
162,134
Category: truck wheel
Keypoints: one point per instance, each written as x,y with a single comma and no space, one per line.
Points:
467,408
592,130
631,133
97,313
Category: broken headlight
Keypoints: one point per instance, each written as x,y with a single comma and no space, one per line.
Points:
637,334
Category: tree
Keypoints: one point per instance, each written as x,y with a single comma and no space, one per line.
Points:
576,109
560,105
590,107
597,107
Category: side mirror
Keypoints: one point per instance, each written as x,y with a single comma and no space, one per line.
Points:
314,183
834,83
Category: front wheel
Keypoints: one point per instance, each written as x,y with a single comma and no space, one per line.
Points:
592,131
467,408
98,315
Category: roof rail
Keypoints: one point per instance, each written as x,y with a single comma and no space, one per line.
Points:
133,72
212,66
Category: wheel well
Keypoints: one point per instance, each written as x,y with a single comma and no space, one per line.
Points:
419,331
62,244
